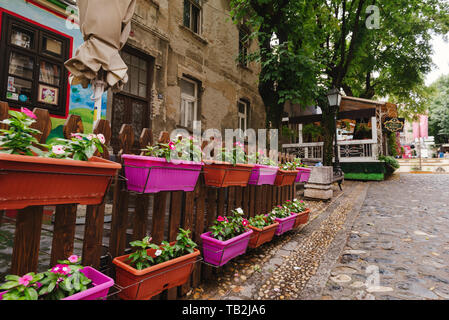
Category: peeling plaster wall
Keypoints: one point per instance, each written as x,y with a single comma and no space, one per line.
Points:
209,58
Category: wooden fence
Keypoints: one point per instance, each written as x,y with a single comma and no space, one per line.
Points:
133,215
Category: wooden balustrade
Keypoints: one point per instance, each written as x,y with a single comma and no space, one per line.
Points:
196,210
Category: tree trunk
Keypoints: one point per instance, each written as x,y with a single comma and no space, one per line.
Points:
328,123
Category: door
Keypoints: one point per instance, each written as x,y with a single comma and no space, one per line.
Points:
132,105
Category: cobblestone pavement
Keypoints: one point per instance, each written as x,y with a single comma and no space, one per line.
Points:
376,240
398,247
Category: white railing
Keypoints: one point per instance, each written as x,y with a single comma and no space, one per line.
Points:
348,151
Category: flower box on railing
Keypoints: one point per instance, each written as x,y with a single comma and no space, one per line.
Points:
261,236
302,218
285,177
150,174
303,174
224,174
263,174
285,224
33,181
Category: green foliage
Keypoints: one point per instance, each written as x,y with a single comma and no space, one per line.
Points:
390,161
260,158
261,221
312,132
295,206
80,147
280,212
21,288
439,110
233,155
140,259
392,144
18,138
225,228
180,149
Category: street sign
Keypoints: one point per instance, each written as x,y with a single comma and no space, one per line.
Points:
394,124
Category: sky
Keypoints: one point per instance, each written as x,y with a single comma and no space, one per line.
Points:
440,59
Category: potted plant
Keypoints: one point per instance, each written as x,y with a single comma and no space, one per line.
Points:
286,175
154,268
303,170
171,166
298,207
228,238
264,227
60,173
264,171
284,217
68,280
234,171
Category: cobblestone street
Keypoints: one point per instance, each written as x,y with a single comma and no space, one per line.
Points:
376,240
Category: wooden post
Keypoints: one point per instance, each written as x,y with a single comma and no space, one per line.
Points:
27,238
199,225
187,224
94,225
211,215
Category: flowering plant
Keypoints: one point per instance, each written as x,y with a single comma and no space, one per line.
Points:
182,149
64,279
295,206
299,164
280,212
225,228
18,138
22,288
164,252
289,166
261,221
260,158
235,155
79,147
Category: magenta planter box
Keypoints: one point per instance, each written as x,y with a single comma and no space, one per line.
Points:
101,284
218,252
151,175
303,174
262,174
285,224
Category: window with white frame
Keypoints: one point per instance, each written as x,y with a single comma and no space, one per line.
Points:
243,114
192,15
189,102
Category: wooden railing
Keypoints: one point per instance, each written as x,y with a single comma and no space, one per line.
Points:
159,215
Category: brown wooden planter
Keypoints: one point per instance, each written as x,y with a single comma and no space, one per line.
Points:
285,177
224,174
302,218
146,283
261,236
34,181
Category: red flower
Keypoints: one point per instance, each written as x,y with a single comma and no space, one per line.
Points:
245,222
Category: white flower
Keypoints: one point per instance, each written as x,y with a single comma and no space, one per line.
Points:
294,199
101,138
158,253
90,136
239,210
58,149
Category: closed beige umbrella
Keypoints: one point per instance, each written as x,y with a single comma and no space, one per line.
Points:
105,25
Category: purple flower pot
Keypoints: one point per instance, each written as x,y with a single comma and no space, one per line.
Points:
285,224
218,252
101,284
263,174
303,174
151,175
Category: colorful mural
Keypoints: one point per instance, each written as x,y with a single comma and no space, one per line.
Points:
80,99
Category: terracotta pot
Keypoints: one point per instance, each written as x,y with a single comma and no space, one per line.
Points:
285,177
146,283
261,236
34,181
224,174
302,218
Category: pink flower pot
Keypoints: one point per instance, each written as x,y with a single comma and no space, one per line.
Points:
101,284
262,174
303,174
285,224
151,175
218,252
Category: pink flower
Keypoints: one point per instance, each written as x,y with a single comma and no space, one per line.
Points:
220,219
28,113
90,136
171,145
287,200
101,137
76,135
61,269
261,152
245,222
73,258
226,219
25,280
57,149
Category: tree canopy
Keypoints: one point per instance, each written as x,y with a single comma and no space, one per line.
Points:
439,110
